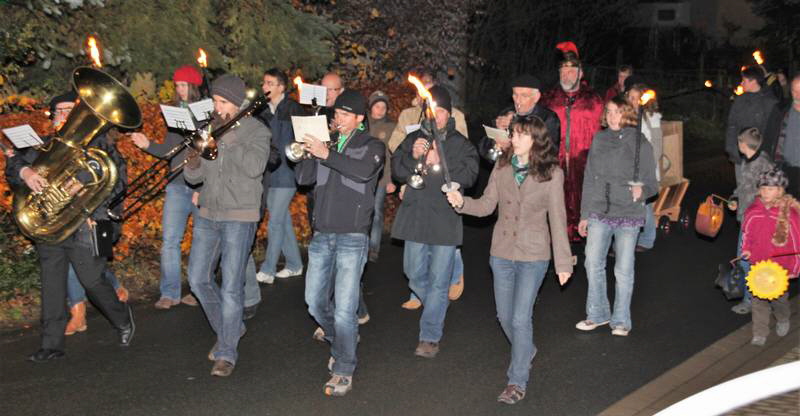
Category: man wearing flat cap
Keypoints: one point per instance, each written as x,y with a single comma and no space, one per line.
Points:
525,92
229,211
344,177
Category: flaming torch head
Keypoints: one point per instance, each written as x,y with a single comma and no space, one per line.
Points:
757,56
94,52
298,81
423,93
739,90
708,83
646,97
202,58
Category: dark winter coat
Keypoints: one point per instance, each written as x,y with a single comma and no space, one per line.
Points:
752,109
425,216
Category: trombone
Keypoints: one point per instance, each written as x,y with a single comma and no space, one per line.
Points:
153,181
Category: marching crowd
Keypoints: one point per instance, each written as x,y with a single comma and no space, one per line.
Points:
577,172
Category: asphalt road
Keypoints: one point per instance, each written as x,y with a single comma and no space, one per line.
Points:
676,312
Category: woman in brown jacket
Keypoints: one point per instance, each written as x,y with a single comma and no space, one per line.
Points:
527,188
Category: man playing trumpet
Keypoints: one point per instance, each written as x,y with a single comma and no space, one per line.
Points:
345,177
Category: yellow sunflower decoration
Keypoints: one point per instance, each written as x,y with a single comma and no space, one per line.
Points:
767,280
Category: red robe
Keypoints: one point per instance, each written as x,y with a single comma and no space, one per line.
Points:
577,131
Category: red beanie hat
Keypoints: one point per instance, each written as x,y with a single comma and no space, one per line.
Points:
188,73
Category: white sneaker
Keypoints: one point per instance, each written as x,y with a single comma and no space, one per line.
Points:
283,274
620,331
364,319
587,325
265,278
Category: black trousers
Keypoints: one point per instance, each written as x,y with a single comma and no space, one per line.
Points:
54,260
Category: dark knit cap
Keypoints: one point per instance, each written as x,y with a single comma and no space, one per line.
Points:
231,88
773,177
526,81
378,96
69,96
442,97
351,101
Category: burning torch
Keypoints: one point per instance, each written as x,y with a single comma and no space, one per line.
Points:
202,60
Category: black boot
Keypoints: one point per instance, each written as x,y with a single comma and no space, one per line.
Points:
44,355
126,332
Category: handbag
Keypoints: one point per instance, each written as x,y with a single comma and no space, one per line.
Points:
730,278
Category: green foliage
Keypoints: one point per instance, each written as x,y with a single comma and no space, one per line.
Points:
19,264
41,41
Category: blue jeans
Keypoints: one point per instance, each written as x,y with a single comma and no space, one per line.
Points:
377,220
337,260
252,292
745,265
647,238
75,292
458,271
177,208
597,244
429,269
516,285
282,238
228,242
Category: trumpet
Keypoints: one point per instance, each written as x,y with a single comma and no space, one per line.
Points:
417,179
295,151
494,153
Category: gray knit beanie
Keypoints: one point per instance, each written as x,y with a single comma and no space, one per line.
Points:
231,88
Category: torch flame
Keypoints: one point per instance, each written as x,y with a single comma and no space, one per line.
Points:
94,52
202,58
298,81
423,92
647,96
709,84
739,90
757,56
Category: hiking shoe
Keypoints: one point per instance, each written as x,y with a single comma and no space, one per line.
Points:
457,289
363,319
782,328
587,325
189,300
222,368
166,303
283,274
758,341
426,349
318,335
620,331
338,385
511,394
742,308
265,278
411,304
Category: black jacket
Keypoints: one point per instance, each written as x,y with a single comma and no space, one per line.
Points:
25,158
550,119
752,109
425,216
344,194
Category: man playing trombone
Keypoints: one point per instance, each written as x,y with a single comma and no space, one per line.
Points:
345,176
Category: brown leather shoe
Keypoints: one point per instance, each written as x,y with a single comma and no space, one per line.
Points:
77,323
457,289
222,368
411,304
189,300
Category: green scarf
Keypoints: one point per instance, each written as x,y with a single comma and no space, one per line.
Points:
520,171
344,138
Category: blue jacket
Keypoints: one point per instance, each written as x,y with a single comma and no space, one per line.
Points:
280,124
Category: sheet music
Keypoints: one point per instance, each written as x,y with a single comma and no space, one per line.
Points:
202,109
178,118
495,133
310,91
23,136
412,128
316,126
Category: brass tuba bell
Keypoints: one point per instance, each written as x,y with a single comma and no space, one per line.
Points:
54,214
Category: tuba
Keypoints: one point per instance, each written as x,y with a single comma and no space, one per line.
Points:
54,214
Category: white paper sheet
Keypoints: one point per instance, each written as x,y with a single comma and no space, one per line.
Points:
316,126
412,128
310,91
495,133
202,109
23,136
178,118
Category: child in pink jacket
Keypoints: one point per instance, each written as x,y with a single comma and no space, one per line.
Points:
771,231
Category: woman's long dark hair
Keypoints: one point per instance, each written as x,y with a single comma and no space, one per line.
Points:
542,158
194,95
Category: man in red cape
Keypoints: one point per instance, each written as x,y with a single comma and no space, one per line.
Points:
579,108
